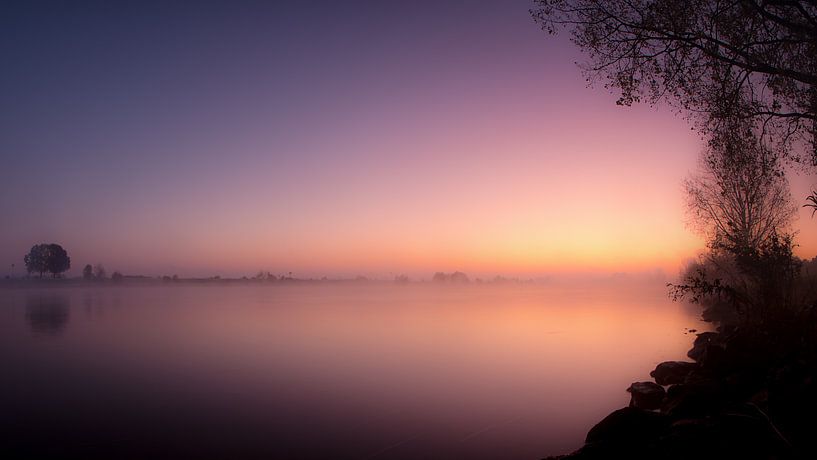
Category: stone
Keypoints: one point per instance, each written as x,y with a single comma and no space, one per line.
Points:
672,372
628,425
703,340
724,435
692,400
646,395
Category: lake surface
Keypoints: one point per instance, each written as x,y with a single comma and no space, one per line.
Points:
322,370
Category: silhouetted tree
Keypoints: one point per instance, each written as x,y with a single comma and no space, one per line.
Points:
745,72
745,58
37,259
50,258
88,272
58,260
740,197
439,277
99,272
456,277
117,277
264,276
753,285
740,201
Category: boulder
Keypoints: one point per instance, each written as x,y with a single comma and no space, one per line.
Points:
692,399
672,372
691,437
724,435
628,425
646,395
703,340
714,358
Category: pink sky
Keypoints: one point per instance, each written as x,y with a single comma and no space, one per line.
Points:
441,138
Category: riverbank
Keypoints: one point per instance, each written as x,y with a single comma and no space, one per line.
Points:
748,393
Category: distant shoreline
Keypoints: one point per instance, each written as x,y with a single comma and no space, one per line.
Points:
158,281
141,280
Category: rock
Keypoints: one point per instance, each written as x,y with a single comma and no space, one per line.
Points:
719,313
628,425
672,372
724,435
690,437
703,340
714,358
747,352
709,350
607,451
692,399
646,395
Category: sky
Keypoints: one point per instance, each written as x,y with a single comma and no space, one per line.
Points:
372,138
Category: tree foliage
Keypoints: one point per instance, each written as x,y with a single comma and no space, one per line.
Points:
745,72
51,258
740,198
36,258
755,285
752,59
88,273
99,272
740,201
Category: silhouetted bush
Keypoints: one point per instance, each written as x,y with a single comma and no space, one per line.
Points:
753,285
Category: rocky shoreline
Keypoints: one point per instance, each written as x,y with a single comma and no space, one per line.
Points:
748,393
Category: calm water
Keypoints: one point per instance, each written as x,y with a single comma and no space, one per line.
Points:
337,371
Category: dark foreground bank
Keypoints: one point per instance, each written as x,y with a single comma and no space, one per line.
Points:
749,393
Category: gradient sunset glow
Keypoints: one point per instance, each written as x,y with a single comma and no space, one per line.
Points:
208,140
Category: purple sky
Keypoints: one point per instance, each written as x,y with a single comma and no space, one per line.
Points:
327,138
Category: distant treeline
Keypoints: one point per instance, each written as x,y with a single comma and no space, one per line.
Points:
53,259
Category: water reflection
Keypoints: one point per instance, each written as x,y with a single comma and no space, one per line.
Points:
47,313
416,371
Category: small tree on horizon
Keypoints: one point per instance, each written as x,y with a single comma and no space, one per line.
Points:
36,259
88,272
50,258
58,260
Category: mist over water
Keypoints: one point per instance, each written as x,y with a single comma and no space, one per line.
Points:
352,371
